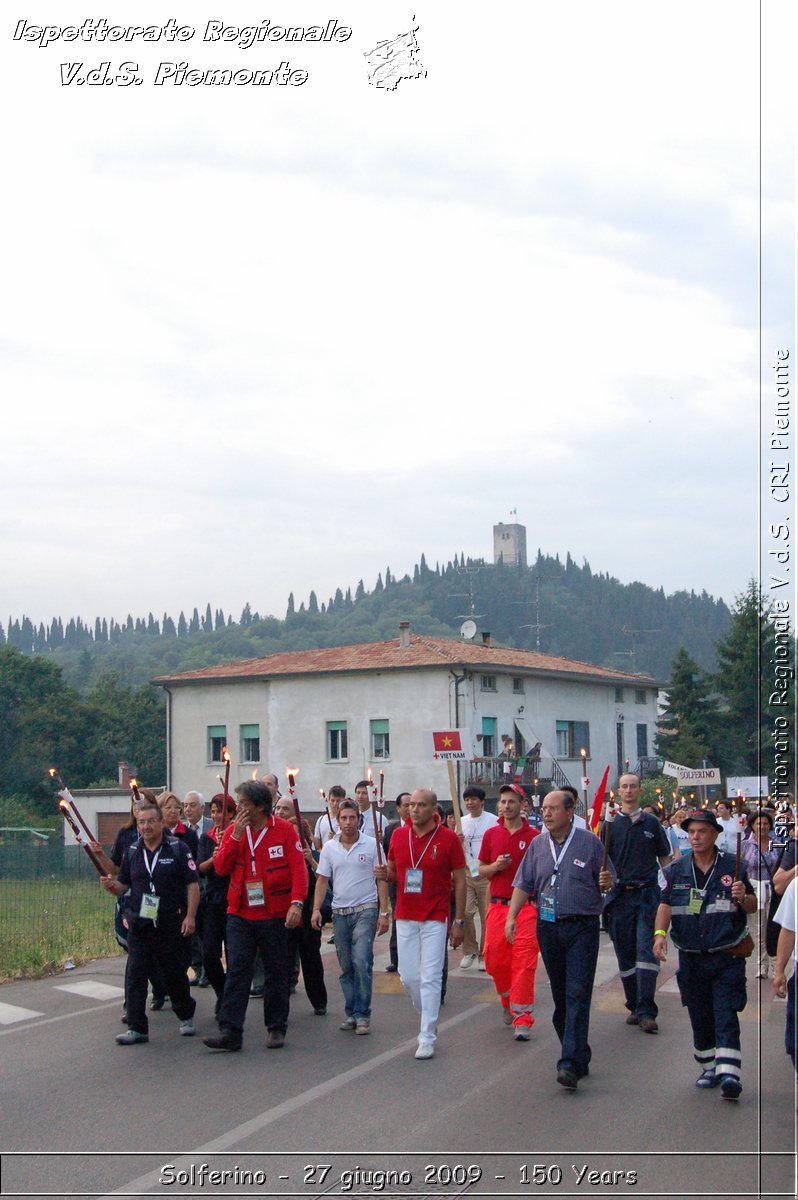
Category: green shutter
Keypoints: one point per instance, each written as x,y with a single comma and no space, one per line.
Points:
336,724
217,731
379,726
488,726
250,731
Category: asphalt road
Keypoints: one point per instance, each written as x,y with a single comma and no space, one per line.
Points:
334,1114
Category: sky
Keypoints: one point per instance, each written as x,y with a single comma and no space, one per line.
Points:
261,340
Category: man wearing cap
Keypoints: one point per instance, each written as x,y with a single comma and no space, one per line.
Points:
638,845
510,965
474,827
706,907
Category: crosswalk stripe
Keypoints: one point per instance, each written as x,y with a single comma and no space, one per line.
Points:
92,989
10,1013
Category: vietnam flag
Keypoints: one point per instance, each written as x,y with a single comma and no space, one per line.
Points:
447,742
598,801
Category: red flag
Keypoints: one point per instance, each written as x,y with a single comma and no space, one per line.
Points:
598,801
448,740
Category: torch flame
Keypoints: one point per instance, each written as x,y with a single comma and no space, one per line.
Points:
133,783
583,752
225,754
255,773
371,777
52,772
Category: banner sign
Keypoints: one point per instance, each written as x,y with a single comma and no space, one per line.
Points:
444,745
689,776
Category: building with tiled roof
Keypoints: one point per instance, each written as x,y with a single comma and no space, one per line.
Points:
336,712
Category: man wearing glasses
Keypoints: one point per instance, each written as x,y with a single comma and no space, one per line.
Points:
161,876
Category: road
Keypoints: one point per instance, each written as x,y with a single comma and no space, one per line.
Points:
84,1117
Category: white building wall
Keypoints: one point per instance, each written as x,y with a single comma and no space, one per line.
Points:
293,714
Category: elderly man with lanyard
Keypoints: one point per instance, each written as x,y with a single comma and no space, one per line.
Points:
638,845
562,873
161,875
707,905
266,895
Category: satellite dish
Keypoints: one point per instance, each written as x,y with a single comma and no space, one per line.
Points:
468,629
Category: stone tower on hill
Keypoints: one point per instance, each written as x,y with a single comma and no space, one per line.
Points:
509,544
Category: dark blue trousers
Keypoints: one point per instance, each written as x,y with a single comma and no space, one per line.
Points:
570,949
243,939
790,1032
163,946
630,920
712,987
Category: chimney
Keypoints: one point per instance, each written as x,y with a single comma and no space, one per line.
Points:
126,773
404,635
486,639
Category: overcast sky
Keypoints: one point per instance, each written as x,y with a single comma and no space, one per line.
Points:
267,339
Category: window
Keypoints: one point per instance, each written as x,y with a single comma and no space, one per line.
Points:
380,739
250,743
619,695
572,736
518,685
217,740
488,737
640,695
487,683
642,741
337,743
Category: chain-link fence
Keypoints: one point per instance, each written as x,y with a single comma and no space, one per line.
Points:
52,909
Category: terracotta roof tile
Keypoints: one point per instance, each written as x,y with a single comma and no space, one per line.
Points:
423,653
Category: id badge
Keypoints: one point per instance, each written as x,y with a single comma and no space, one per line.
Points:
547,908
413,880
722,904
473,866
149,906
696,898
255,896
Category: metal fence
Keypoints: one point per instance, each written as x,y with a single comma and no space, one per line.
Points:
53,911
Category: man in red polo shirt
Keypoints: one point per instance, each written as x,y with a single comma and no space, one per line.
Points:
423,859
512,966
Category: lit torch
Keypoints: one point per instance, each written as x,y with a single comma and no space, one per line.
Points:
66,795
79,836
585,783
292,772
225,785
134,789
374,804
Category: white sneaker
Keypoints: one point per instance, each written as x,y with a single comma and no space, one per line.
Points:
522,1033
425,1050
482,966
187,1028
467,961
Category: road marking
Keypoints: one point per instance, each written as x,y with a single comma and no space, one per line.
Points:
81,1012
257,1124
94,991
10,1013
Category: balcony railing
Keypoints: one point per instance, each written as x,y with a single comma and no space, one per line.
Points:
492,772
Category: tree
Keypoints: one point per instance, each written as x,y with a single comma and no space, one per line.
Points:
747,662
313,603
687,728
194,623
207,621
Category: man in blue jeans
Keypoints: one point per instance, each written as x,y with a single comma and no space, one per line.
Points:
562,873
360,909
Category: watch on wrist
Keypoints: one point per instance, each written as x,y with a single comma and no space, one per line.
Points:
387,914
458,921
297,903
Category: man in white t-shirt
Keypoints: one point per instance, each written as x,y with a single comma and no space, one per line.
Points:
787,917
360,910
475,826
727,841
327,824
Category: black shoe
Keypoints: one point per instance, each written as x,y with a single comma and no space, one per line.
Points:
648,1025
321,1011
203,981
730,1087
275,1039
633,1019
256,991
157,1003
222,1041
392,968
195,981
567,1079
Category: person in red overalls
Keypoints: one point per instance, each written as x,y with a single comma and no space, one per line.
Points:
511,966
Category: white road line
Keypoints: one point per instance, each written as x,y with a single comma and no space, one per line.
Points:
81,1012
92,989
257,1124
10,1013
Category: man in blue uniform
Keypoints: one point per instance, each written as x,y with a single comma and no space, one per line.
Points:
706,906
161,875
638,846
